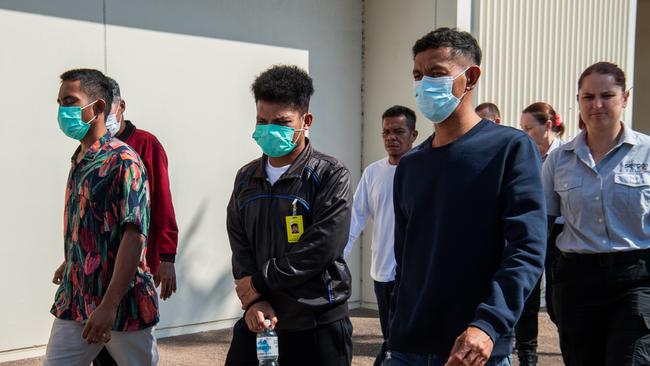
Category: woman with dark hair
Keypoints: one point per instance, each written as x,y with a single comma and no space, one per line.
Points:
545,127
600,183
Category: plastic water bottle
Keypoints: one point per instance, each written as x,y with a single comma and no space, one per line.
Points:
267,346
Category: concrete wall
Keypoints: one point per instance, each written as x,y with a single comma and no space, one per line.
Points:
641,81
185,70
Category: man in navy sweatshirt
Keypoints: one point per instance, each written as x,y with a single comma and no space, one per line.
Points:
470,224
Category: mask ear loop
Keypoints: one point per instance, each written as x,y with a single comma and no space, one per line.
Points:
86,106
89,104
457,76
92,119
301,130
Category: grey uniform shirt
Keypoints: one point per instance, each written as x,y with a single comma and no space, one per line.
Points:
554,145
606,206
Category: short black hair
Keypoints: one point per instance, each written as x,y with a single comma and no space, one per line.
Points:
94,83
492,109
284,84
460,43
115,88
400,110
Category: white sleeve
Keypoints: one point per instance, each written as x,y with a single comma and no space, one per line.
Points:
360,213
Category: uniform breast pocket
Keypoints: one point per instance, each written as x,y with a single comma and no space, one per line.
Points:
570,192
632,193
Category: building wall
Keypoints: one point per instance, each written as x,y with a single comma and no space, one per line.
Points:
185,69
536,50
641,81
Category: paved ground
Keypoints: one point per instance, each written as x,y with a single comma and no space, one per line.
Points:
209,348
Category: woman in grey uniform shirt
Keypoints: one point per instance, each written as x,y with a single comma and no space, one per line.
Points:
600,183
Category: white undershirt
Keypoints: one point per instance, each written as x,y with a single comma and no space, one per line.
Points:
274,173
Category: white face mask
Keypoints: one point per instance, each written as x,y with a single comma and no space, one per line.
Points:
435,98
112,125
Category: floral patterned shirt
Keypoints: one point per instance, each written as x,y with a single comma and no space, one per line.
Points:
106,189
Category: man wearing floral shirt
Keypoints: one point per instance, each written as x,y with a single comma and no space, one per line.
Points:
106,295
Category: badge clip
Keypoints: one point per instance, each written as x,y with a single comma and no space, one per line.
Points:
295,225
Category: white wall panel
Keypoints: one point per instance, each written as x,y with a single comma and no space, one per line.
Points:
535,50
35,158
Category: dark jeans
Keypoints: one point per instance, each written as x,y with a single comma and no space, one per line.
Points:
383,292
417,359
325,345
104,359
526,328
602,306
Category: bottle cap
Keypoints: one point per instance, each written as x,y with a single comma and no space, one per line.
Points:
267,323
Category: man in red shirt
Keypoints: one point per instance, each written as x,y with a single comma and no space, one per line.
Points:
163,232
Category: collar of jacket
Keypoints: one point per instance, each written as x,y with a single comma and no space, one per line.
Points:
296,168
129,129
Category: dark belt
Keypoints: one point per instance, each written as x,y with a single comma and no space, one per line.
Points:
607,259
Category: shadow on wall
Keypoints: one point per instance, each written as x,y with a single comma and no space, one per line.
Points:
329,30
208,294
216,19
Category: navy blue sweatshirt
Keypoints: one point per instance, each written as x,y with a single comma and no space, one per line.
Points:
456,207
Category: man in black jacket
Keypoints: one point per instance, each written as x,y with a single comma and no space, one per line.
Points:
288,222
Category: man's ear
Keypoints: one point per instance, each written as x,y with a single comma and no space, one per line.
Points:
472,74
122,105
309,118
100,107
414,135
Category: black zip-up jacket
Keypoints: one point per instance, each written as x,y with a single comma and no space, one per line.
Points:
307,283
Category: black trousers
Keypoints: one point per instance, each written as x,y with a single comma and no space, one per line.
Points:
104,359
526,328
602,307
552,254
383,292
326,345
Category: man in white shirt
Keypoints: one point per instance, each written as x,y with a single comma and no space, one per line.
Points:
374,199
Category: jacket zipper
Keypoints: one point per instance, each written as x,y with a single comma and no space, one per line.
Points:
327,280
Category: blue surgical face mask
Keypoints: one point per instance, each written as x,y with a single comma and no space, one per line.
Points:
275,140
71,122
112,124
434,97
